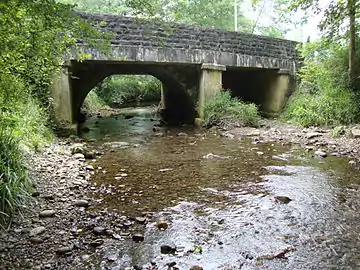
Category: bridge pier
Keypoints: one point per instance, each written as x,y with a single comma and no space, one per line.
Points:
280,88
62,99
210,84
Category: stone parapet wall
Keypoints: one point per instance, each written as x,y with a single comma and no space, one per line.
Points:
132,32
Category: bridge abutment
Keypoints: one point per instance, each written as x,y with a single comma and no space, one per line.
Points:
210,84
62,99
280,88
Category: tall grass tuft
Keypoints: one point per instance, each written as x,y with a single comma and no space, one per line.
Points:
15,185
223,106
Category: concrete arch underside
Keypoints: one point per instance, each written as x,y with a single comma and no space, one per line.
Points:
180,84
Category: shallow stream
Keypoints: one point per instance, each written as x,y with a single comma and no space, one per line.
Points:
219,200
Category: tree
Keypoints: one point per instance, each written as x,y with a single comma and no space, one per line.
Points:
338,24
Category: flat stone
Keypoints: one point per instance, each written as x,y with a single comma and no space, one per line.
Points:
117,144
36,240
79,156
352,162
99,230
311,135
196,267
320,153
355,133
140,220
81,203
35,194
89,168
165,249
37,231
282,199
77,150
138,237
63,250
47,213
97,242
85,257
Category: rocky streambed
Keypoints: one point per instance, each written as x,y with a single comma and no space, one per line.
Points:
127,204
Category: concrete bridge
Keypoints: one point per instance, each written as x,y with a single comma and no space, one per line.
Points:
192,63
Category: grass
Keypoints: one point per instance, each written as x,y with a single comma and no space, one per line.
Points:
224,107
330,107
23,129
15,185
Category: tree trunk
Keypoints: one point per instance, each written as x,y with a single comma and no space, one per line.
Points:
352,44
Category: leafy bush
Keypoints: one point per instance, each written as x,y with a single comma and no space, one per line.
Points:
223,106
15,185
117,90
35,36
323,97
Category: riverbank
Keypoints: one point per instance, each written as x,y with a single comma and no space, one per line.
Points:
62,228
342,141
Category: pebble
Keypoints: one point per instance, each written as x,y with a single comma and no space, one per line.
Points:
36,240
63,250
138,237
97,242
320,153
79,156
47,213
37,231
85,257
165,249
140,220
162,225
196,267
282,199
89,168
99,230
81,203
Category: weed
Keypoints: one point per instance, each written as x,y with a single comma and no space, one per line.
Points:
223,106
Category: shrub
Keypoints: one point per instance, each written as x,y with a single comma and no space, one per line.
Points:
15,185
323,97
223,106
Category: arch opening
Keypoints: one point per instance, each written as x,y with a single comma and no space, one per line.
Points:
177,106
250,85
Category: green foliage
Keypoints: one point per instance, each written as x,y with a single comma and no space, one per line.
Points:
322,97
223,106
35,36
93,102
15,185
117,90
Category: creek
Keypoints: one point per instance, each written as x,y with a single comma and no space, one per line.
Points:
219,199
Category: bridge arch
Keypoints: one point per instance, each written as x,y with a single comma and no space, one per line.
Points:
178,94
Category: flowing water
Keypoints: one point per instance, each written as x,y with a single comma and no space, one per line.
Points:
218,198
